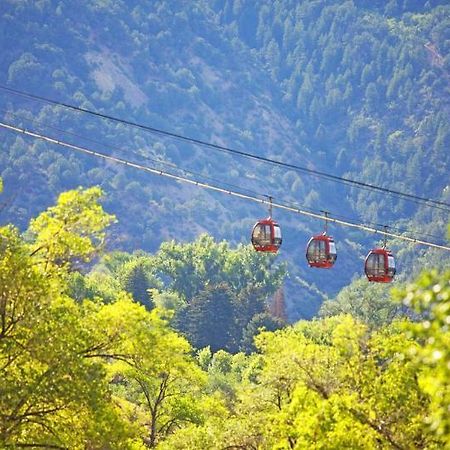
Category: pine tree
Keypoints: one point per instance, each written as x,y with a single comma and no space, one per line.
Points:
136,281
209,320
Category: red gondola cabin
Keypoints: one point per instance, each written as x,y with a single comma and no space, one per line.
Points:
321,251
266,236
380,265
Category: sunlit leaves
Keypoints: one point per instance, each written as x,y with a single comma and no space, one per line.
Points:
50,393
72,230
22,289
430,298
152,369
333,384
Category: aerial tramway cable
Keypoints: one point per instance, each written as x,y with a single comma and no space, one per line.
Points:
414,198
218,188
136,153
196,174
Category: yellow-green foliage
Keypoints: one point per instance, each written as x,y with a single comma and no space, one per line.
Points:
89,374
72,230
83,374
429,296
51,393
331,384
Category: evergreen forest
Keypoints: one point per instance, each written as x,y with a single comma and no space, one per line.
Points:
134,311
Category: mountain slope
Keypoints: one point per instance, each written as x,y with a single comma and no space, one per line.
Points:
357,89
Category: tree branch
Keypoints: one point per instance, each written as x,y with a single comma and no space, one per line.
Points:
23,445
378,428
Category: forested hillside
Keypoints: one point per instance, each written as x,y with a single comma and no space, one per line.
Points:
356,89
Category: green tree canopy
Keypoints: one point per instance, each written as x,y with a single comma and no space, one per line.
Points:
52,394
209,319
370,303
429,296
72,230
